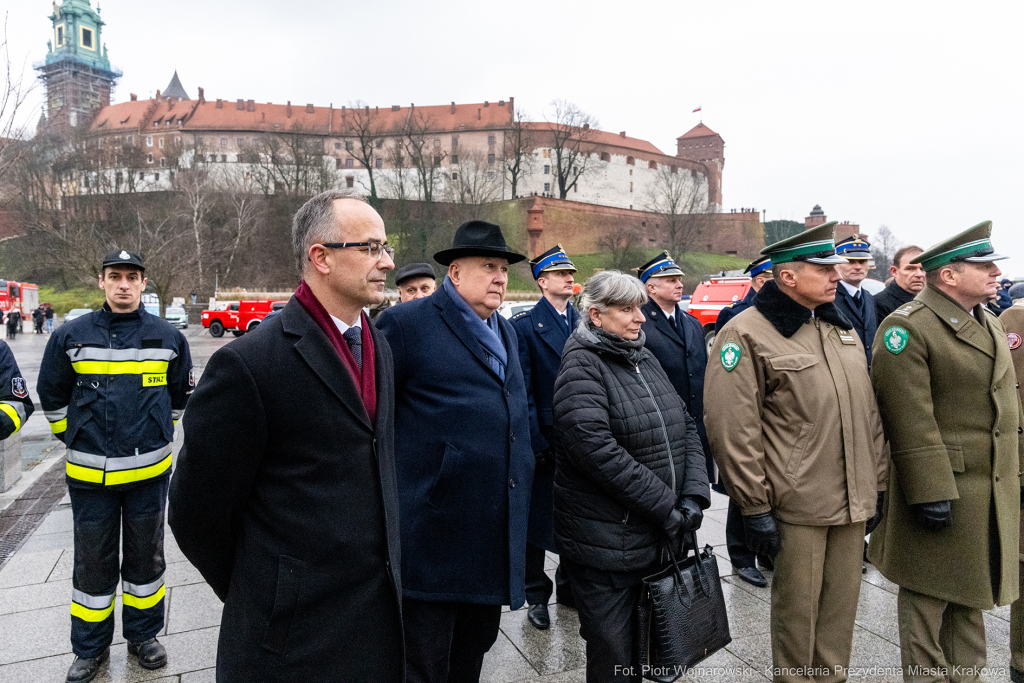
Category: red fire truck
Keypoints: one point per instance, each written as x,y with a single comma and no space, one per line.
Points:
23,296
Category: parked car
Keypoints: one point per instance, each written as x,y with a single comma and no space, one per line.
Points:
76,313
511,308
177,316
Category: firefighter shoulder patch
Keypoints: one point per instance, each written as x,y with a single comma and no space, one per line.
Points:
191,377
1014,340
19,387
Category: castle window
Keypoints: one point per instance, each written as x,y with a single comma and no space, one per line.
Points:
455,159
631,187
238,158
378,162
437,143
490,175
653,165
240,142
547,187
149,158
631,161
156,176
60,35
348,145
380,143
490,139
675,170
223,157
490,158
350,181
348,163
605,156
337,163
437,161
223,142
455,176
156,123
87,38
160,143
337,145
161,164
177,141
455,141
547,169
149,141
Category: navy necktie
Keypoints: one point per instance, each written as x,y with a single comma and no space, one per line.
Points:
353,336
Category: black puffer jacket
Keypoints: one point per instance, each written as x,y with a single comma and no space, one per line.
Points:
613,478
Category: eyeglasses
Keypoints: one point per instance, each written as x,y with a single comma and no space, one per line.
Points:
374,248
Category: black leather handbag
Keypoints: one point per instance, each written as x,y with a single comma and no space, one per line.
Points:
681,615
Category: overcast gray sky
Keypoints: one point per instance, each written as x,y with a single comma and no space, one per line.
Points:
905,114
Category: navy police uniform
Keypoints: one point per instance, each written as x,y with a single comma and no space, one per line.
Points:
112,386
679,347
15,403
859,309
543,332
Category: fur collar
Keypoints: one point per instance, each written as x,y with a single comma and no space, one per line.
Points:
786,315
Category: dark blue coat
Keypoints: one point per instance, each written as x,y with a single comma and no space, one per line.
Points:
684,359
865,322
542,334
730,312
463,457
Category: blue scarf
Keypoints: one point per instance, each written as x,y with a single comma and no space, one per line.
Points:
486,332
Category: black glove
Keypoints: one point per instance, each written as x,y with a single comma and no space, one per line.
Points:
762,534
873,522
692,514
673,526
934,516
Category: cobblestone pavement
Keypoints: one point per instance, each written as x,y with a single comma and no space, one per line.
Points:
35,598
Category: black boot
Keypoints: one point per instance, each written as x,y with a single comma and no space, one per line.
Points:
151,653
83,670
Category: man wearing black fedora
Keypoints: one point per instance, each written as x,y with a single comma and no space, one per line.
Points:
463,458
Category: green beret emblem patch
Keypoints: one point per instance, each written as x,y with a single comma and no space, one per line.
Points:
731,353
896,339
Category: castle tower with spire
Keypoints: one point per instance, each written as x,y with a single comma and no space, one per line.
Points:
77,73
704,145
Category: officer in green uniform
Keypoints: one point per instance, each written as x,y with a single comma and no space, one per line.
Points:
946,389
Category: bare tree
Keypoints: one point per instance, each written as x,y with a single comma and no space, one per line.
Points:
368,134
13,118
572,131
682,197
519,144
290,163
622,244
195,194
163,242
394,180
422,154
883,247
246,211
470,183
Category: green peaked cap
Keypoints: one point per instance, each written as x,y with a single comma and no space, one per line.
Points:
973,245
816,245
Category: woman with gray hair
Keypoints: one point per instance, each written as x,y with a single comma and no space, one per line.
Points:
630,471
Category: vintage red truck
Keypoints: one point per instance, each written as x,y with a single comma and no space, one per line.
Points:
239,317
711,296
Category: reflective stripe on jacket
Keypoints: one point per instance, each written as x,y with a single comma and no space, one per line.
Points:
112,387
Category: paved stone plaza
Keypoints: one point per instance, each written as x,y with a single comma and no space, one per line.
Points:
35,597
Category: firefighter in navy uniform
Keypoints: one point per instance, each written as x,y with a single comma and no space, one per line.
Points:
15,404
543,332
760,272
112,385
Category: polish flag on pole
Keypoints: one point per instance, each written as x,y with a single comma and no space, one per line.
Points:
696,110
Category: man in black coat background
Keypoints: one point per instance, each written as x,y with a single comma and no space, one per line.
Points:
463,458
907,282
676,339
285,496
854,301
542,332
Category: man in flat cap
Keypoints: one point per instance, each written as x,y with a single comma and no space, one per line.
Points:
943,374
113,384
854,301
463,457
543,331
793,423
676,339
743,560
415,281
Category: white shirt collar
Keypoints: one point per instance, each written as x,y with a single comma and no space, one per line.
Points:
342,326
669,313
849,288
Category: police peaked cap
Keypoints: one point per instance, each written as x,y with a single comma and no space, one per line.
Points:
554,258
123,258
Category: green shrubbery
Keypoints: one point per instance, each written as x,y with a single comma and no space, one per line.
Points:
64,301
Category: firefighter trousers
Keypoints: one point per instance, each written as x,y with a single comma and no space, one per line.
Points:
101,518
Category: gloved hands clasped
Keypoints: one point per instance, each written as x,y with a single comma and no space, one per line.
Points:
762,534
934,516
686,516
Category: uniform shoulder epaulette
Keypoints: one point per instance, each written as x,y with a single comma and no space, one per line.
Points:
519,315
908,309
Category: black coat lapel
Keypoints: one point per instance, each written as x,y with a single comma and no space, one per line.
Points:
654,312
551,326
318,352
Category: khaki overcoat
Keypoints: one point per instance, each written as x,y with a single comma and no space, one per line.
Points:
946,389
1012,320
793,425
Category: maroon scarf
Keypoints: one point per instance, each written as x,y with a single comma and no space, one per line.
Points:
365,379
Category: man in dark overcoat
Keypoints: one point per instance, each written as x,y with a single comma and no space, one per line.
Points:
677,340
284,496
464,461
907,281
854,301
542,332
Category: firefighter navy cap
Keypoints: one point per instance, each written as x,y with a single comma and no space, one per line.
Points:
123,258
409,271
554,258
661,265
761,265
854,247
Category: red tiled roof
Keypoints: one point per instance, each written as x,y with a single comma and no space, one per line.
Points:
601,137
698,131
